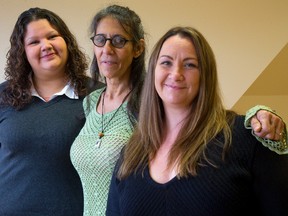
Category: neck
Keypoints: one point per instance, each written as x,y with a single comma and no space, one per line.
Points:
172,125
112,100
47,88
116,91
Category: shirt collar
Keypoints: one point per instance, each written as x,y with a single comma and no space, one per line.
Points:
68,90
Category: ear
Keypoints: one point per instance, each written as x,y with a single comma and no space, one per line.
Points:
139,49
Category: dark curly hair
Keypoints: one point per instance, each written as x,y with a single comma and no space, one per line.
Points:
131,23
18,70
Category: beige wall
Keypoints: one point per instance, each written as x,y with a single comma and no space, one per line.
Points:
246,35
270,87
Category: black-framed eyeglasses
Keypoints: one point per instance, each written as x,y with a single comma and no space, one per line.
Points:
117,41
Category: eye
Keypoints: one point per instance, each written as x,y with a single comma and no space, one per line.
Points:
166,63
191,65
118,41
53,36
33,42
99,39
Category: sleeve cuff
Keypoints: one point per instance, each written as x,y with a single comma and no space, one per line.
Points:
280,147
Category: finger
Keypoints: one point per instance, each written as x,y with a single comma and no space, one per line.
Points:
279,127
255,124
272,125
266,120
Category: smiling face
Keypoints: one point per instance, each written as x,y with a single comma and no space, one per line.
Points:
177,74
114,62
45,49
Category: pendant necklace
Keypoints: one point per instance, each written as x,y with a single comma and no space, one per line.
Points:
101,133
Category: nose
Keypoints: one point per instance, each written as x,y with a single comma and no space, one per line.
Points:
108,47
45,45
177,73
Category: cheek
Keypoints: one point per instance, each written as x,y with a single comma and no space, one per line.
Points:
61,43
96,51
160,74
65,48
126,56
30,55
195,84
97,54
193,77
65,53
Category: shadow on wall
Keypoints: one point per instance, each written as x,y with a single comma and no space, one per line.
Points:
270,88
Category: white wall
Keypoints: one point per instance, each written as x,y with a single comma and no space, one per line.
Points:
245,34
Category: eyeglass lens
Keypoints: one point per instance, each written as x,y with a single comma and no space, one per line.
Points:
117,41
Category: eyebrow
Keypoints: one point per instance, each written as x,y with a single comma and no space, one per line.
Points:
185,59
165,56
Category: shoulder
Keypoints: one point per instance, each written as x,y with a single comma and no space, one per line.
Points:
243,144
239,122
94,95
92,85
3,85
92,99
240,133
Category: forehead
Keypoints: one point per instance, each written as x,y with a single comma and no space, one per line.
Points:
110,26
177,44
37,25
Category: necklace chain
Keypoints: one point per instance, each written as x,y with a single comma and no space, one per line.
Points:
101,134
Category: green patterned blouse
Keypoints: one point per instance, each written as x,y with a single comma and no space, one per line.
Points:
95,161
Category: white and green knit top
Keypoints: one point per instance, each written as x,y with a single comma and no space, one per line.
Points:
93,163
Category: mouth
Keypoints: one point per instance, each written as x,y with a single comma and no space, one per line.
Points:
172,86
49,55
108,62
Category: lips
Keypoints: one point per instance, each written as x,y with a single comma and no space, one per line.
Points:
48,56
108,62
172,86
